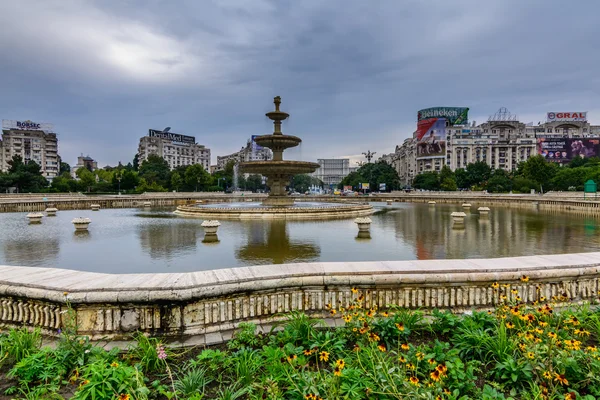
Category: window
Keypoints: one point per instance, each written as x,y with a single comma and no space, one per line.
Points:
549,130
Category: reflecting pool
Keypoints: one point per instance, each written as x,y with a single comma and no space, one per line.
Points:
156,240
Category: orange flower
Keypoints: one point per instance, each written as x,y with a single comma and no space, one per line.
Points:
405,346
124,396
435,375
400,327
561,379
381,348
414,380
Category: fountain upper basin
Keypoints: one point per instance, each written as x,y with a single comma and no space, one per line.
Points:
278,167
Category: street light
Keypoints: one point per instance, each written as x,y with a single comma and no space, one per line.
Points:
369,155
119,177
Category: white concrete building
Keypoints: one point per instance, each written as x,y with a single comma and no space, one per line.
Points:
501,142
31,141
176,149
331,171
250,152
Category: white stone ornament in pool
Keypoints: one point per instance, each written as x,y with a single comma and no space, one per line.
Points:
35,218
199,201
147,204
483,210
210,227
458,217
95,207
466,205
431,203
51,211
389,202
81,223
364,223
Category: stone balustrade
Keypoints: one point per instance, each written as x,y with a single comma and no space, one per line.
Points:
205,307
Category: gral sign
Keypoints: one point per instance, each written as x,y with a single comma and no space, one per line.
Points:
26,125
174,137
563,150
454,115
567,116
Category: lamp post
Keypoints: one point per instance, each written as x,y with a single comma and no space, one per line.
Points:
119,177
369,155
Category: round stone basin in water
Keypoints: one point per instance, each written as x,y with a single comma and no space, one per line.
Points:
156,240
252,204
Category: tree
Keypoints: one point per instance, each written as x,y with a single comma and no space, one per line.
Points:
462,179
427,181
447,180
353,179
254,182
176,181
478,173
136,162
155,169
302,182
64,183
64,167
499,182
129,180
196,176
375,174
538,170
86,179
26,177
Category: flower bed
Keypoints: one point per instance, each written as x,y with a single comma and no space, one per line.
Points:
516,351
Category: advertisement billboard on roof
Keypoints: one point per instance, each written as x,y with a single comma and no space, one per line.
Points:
431,138
580,116
454,115
563,150
174,137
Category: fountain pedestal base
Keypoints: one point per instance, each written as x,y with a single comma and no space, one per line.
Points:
278,201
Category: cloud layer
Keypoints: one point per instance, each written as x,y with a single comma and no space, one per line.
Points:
351,73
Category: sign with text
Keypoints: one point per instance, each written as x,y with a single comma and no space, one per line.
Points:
382,187
563,150
364,186
567,116
174,137
454,115
26,125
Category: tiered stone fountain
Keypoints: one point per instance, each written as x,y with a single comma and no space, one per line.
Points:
278,171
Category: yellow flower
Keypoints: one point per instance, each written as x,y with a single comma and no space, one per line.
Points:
400,327
308,352
333,311
420,356
402,359
114,364
514,291
337,371
354,290
124,396
547,375
324,356
347,318
435,375
381,348
524,278
543,324
414,380
510,325
431,361
405,346
385,314
552,335
340,363
442,369
410,366
530,355
495,285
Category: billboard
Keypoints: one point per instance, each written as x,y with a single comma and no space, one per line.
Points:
382,187
563,150
174,137
364,186
454,115
27,125
431,138
567,116
347,188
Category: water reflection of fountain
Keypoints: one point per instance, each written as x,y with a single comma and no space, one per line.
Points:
269,243
168,240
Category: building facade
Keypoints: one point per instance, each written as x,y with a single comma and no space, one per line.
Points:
178,150
250,152
32,142
84,162
331,171
502,142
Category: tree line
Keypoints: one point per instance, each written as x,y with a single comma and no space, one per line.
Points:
152,175
536,173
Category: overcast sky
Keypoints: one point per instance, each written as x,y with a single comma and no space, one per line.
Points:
352,74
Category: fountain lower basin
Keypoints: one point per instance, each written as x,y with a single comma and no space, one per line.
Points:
256,210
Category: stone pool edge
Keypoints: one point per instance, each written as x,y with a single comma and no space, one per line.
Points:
205,307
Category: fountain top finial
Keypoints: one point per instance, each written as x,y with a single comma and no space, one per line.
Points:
277,101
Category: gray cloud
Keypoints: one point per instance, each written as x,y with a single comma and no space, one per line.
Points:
352,73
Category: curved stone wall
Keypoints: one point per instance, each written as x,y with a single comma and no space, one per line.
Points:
341,211
204,307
